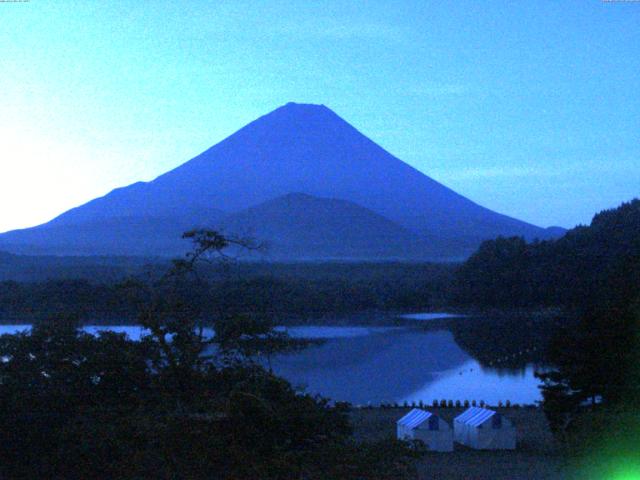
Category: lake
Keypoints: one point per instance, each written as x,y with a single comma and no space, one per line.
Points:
398,364
370,365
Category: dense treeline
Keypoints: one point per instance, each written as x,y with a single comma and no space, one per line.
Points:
507,340
39,268
29,301
573,271
279,291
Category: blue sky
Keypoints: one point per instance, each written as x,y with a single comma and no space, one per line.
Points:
529,108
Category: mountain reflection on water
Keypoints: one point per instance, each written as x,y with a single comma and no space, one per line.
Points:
362,365
402,364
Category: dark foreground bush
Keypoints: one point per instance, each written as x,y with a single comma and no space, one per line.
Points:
77,406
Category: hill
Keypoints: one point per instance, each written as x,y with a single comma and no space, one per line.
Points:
590,265
300,226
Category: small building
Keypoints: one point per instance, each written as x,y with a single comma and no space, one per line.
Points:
484,429
435,433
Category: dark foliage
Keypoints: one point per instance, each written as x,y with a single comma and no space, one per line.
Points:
507,340
592,272
178,404
596,361
581,270
277,291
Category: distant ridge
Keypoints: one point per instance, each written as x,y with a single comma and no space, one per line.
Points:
295,148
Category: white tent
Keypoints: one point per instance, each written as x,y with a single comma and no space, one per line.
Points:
435,433
484,429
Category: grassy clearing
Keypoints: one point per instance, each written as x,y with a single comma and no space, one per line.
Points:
538,456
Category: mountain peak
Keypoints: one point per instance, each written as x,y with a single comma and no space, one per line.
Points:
303,112
305,106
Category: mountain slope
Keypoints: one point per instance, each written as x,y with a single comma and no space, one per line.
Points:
125,235
295,148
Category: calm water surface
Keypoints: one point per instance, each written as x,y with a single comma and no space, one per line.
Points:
377,364
400,364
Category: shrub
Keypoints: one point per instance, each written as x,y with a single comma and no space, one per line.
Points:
458,404
466,404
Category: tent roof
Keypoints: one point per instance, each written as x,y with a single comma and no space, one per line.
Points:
475,416
415,418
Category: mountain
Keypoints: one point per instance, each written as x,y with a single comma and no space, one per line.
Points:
300,226
295,148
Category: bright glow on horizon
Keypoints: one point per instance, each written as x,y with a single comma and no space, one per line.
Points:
531,110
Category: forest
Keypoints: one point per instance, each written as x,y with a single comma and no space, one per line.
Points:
575,271
593,275
286,292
